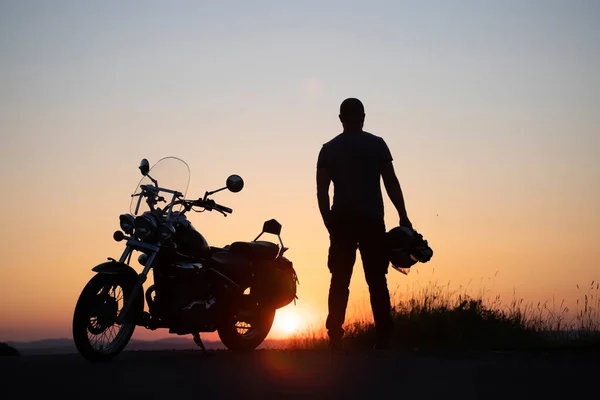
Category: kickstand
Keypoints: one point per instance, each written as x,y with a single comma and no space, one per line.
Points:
199,343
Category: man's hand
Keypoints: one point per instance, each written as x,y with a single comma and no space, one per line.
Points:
404,221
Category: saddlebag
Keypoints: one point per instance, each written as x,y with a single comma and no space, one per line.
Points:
275,283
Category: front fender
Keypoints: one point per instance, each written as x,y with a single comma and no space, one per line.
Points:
114,267
125,275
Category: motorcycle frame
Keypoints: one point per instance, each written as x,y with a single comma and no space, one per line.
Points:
150,249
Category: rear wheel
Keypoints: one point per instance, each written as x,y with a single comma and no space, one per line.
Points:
247,329
96,333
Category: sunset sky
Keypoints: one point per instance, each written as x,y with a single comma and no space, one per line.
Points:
491,110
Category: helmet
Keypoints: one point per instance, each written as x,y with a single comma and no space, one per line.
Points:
406,247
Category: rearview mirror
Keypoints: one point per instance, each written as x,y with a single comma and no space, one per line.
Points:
235,183
144,167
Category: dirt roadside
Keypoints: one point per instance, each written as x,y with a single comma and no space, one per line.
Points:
270,374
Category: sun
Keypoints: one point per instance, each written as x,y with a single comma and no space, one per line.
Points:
287,321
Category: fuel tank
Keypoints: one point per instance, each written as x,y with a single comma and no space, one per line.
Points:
189,241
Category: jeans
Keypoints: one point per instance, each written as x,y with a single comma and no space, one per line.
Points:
347,234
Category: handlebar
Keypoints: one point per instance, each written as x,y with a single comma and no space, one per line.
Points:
207,204
225,209
210,204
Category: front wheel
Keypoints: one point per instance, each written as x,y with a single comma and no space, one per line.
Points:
96,333
246,330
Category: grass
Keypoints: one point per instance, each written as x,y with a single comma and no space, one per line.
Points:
435,317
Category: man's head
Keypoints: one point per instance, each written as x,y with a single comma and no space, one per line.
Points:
352,114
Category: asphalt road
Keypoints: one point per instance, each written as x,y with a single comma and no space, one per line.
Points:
273,374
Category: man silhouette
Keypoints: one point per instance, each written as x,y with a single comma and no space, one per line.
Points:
355,161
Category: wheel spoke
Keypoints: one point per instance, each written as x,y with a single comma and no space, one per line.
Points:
243,328
107,335
114,332
118,294
95,339
102,331
102,339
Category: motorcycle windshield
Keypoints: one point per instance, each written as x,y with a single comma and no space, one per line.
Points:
170,173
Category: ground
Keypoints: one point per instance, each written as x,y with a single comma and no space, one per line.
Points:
310,374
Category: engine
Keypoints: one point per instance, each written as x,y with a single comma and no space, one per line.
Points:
185,297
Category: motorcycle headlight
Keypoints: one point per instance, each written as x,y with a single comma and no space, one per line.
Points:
126,221
165,231
145,226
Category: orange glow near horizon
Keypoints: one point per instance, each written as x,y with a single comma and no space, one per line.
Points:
287,322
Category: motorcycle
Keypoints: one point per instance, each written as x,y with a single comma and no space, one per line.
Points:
234,290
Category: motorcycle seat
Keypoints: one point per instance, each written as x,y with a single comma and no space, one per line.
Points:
256,251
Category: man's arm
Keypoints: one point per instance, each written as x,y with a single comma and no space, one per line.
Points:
323,182
392,187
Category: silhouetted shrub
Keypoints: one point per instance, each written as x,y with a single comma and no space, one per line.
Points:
6,350
436,318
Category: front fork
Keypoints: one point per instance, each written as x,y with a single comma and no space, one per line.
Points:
139,283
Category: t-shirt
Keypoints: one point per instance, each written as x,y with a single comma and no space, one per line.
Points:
354,161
